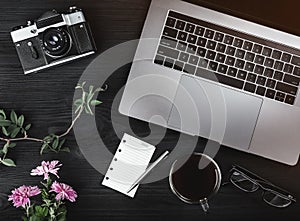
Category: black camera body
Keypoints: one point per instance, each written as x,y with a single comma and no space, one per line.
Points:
53,39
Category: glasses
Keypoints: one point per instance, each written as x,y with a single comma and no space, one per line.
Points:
250,182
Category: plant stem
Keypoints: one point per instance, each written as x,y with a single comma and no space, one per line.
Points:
73,122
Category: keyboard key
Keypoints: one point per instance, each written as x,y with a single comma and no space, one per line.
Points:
251,77
210,55
220,47
269,72
209,33
280,96
190,69
178,65
240,53
259,59
191,49
278,65
269,62
270,93
276,54
286,88
278,75
211,45
201,42
232,71
190,28
286,57
259,69
257,48
289,99
228,40
222,68
230,60
288,68
296,60
180,25
168,52
169,62
241,74
250,87
296,71
159,60
220,58
291,79
260,91
249,56
192,39
249,66
182,36
219,37
213,65
171,22
170,32
181,46
183,57
238,43
193,60
203,63
261,80
239,63
168,42
201,51
248,45
223,79
267,52
199,31
270,83
230,50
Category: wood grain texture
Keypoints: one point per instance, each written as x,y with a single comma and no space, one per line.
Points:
46,100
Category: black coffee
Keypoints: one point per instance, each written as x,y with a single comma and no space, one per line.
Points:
192,181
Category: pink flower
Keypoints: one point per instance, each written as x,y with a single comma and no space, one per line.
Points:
63,191
46,168
21,196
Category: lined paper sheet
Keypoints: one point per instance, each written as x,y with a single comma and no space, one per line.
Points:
129,162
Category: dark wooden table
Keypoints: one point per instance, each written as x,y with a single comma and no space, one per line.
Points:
46,101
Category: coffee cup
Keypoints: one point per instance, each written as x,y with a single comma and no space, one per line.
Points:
194,179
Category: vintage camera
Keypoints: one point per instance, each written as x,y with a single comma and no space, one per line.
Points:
53,39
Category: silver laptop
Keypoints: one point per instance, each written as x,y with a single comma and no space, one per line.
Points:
209,74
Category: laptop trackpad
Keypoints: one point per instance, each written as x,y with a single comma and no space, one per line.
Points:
215,112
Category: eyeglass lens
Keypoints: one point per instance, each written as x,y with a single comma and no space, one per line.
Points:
242,182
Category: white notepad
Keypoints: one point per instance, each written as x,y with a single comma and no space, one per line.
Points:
129,162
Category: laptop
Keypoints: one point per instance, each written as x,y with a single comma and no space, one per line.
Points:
207,73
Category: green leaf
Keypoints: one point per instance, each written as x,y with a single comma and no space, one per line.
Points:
13,117
65,149
20,121
88,110
43,148
11,128
95,102
5,148
4,131
78,102
4,123
27,127
3,114
8,162
55,143
12,145
61,143
15,132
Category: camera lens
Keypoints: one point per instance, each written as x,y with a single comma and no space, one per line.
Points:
57,42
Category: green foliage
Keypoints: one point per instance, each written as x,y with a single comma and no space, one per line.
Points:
13,127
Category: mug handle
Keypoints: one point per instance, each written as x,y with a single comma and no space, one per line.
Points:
204,205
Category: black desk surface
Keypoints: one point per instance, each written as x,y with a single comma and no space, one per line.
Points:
46,101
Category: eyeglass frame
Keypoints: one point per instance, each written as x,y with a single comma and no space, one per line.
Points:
255,179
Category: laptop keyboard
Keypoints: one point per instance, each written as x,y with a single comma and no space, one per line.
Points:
229,57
